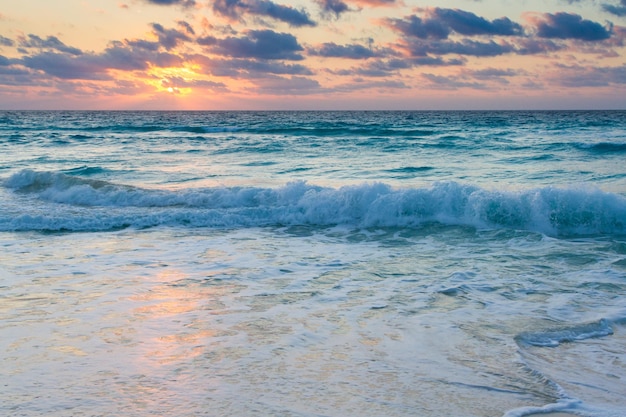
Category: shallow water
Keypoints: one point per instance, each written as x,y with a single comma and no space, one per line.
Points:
133,283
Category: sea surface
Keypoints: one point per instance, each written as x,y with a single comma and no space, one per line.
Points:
344,264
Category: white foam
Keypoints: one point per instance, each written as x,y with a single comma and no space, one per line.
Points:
550,210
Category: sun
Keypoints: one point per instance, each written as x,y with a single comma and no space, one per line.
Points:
173,80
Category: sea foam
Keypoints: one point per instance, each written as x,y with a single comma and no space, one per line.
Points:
549,210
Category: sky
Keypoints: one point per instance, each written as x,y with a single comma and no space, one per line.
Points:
313,54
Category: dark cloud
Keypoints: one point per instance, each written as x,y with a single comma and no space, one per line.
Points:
164,60
6,41
285,14
375,3
571,26
169,38
125,57
470,47
19,76
417,27
260,44
467,23
616,10
207,40
382,68
88,66
50,43
183,3
578,76
4,61
234,9
335,7
67,67
530,46
229,8
186,27
437,61
493,74
143,44
440,23
353,51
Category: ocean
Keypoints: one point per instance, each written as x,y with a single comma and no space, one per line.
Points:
313,263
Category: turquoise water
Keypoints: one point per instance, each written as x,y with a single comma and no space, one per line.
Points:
312,263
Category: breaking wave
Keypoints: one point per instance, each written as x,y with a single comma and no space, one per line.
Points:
70,202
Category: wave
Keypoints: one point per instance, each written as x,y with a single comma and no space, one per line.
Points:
86,170
603,147
550,210
555,337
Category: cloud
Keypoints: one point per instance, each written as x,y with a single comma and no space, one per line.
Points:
419,48
66,67
439,23
570,26
186,27
141,44
488,73
258,44
467,23
50,43
352,51
183,3
178,82
386,67
375,3
382,68
248,46
431,33
265,67
19,76
287,86
359,84
234,9
123,56
451,83
246,68
6,41
415,26
335,7
529,46
286,14
616,10
169,38
579,76
437,61
493,75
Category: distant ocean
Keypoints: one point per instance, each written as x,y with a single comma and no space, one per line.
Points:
313,263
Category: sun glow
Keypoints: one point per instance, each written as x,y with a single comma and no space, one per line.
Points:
174,80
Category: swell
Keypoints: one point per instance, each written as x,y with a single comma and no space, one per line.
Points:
549,210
